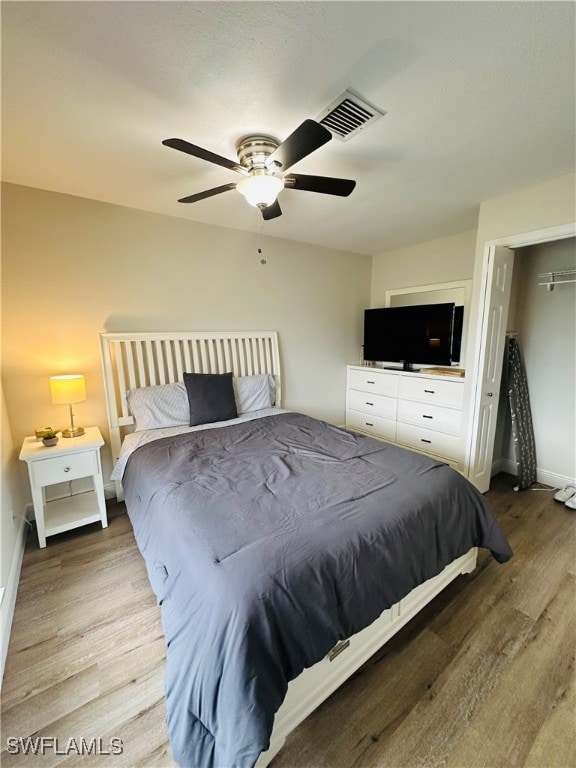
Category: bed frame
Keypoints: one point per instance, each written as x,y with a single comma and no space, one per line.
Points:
132,360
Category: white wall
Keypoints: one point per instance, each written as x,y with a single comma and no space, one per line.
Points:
73,268
436,261
546,324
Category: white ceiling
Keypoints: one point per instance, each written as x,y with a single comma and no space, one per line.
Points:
480,101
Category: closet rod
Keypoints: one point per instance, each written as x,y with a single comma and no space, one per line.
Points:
559,277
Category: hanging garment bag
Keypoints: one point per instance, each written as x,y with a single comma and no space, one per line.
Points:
522,429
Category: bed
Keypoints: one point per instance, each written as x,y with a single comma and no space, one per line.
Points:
283,550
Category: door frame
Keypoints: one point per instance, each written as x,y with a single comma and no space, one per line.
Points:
536,237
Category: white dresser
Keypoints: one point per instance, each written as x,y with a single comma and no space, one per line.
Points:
418,411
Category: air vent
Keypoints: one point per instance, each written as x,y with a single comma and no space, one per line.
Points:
348,115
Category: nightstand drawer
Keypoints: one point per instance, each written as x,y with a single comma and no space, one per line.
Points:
60,469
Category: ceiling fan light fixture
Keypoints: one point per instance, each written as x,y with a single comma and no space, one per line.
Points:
260,189
263,161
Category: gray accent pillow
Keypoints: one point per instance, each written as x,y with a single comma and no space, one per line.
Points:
210,397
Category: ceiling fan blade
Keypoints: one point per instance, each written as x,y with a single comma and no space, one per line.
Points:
207,193
323,184
308,137
204,154
272,211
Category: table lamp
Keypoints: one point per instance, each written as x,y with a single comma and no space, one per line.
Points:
65,391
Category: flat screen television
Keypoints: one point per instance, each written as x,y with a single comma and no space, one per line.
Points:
420,334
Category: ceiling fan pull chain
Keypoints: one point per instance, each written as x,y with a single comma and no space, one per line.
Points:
261,234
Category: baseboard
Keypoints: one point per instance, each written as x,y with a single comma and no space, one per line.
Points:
553,479
110,491
9,595
542,475
501,465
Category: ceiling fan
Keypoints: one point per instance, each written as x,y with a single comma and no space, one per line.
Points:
263,162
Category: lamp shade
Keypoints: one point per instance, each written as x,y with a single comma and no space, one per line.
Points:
68,389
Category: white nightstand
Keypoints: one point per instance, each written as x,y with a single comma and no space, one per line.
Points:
70,459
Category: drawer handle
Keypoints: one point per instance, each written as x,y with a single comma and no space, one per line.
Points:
368,424
338,648
429,391
425,441
66,469
427,417
369,403
370,382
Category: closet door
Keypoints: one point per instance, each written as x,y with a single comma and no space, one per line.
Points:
493,338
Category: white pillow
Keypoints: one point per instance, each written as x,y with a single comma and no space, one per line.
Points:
254,392
165,405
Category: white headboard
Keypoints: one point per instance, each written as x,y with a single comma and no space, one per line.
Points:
132,360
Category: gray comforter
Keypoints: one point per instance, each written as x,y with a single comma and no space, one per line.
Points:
268,542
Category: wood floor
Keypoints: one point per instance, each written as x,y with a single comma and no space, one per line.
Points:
483,677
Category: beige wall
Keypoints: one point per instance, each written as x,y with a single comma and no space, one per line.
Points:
544,205
12,499
435,261
73,268
11,530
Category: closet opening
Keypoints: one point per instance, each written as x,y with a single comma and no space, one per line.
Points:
543,322
486,358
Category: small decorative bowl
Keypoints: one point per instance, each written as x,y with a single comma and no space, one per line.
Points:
48,441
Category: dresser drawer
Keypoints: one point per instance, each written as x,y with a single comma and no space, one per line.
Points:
429,441
60,469
370,402
438,392
430,416
368,380
374,425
